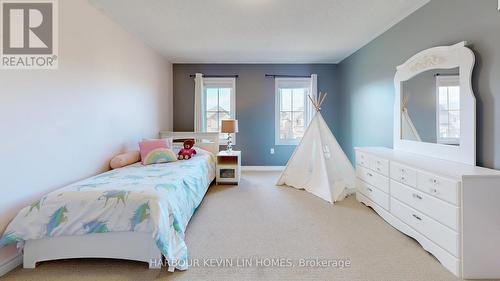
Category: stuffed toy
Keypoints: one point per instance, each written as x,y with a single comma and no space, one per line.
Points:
187,151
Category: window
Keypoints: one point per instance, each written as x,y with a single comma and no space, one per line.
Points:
448,113
218,104
292,109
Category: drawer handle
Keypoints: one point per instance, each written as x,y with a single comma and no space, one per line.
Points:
369,189
378,162
369,174
417,217
378,169
403,179
434,181
433,190
403,171
417,196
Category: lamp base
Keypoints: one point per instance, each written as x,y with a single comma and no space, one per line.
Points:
229,143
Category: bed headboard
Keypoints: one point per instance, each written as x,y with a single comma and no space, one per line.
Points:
207,141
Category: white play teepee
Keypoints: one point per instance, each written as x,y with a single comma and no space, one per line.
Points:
408,130
318,164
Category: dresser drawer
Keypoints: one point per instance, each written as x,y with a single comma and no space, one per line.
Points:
403,174
374,194
437,209
379,165
362,159
440,187
436,232
373,178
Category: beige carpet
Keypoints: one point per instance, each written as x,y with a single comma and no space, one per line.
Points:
264,223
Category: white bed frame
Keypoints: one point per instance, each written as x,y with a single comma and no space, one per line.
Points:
137,246
206,141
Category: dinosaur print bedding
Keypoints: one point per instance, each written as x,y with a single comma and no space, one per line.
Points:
159,198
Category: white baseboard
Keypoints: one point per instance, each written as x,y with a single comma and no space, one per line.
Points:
10,264
262,168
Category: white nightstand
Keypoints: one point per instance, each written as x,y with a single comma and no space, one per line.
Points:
228,167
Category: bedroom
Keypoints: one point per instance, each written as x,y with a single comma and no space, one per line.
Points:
121,74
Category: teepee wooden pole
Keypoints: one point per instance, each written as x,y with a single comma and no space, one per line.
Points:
405,101
315,103
323,99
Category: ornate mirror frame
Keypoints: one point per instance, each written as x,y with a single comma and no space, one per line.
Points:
443,57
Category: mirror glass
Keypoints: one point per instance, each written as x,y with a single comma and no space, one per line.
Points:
430,107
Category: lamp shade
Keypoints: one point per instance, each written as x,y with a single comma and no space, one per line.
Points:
229,126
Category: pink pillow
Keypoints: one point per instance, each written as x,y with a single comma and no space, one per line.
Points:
125,159
169,141
156,151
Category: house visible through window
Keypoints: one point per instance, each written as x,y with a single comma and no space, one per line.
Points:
219,103
448,113
292,110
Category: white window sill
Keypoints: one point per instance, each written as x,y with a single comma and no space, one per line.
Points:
449,142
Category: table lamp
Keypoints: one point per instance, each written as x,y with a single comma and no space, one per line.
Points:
229,127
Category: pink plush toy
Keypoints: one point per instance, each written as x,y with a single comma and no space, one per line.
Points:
187,151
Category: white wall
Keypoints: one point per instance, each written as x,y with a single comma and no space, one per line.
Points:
59,126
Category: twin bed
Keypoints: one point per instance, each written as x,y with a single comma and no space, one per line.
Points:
136,212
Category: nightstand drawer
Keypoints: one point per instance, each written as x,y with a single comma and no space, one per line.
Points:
227,173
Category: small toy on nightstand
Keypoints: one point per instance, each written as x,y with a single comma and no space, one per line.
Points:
228,167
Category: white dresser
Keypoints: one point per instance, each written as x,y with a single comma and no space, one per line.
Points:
451,209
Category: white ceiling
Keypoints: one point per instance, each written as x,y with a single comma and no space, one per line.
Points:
257,31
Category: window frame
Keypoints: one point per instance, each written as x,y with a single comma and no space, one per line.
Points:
446,81
280,83
219,82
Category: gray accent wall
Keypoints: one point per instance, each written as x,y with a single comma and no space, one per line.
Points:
367,90
255,106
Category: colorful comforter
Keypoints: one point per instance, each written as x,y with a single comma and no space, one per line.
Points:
158,198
